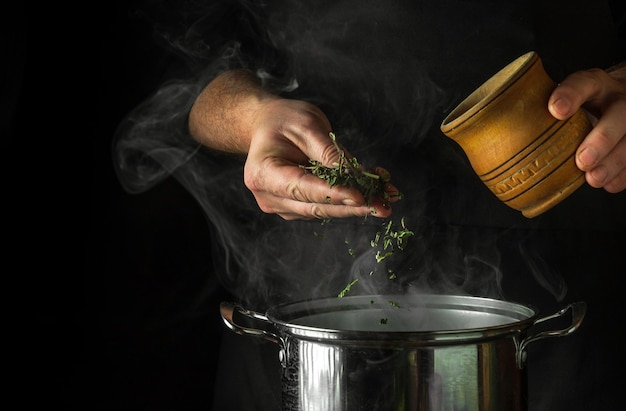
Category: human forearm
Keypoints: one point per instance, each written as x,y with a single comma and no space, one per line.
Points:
235,114
222,116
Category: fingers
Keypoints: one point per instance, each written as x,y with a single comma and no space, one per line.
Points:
604,138
296,210
284,179
392,194
312,197
289,133
291,209
602,154
609,172
618,183
574,91
291,192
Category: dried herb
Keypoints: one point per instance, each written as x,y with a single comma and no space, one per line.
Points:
389,239
347,289
392,303
348,172
392,239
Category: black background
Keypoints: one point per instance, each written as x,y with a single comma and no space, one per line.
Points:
114,298
111,299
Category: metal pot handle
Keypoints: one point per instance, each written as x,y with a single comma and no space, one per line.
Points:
228,309
578,313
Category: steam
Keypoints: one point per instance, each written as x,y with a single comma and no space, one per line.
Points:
547,278
382,118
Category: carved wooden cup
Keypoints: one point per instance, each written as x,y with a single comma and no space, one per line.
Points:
520,152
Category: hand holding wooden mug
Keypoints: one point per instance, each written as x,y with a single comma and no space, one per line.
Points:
602,154
526,154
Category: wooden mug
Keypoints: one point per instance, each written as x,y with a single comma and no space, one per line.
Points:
518,149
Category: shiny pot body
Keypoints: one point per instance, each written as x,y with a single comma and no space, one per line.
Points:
404,353
480,376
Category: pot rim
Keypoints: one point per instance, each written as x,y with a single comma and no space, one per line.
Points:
293,318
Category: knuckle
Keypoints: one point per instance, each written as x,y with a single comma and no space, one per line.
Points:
294,191
257,175
617,184
602,137
593,76
592,80
252,180
317,211
328,154
266,208
309,116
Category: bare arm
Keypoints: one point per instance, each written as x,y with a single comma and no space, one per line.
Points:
235,114
222,116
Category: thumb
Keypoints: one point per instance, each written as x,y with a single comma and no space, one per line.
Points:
562,103
332,151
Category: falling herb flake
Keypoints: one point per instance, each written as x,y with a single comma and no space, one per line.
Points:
383,321
380,257
347,289
391,239
348,172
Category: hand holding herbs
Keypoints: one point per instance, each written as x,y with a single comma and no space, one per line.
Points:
374,185
283,134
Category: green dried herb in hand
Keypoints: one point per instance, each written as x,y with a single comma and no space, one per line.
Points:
349,173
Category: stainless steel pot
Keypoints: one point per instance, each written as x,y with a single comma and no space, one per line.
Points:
401,352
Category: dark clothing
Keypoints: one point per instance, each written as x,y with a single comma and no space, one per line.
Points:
386,74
